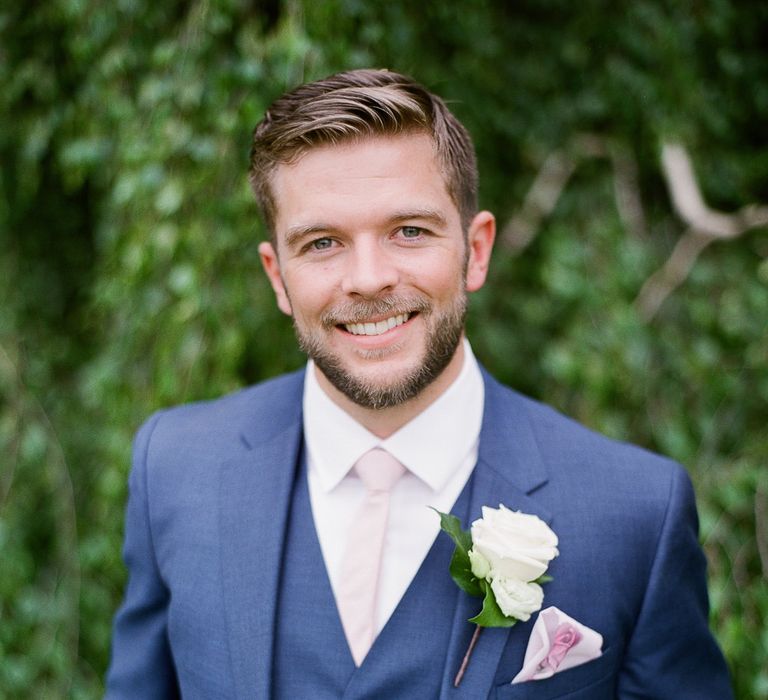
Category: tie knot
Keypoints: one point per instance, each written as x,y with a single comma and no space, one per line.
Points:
378,470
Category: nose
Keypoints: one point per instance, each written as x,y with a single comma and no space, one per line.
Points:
370,270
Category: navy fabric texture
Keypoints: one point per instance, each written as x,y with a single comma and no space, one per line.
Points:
216,564
312,658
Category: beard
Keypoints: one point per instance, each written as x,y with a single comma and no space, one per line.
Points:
444,329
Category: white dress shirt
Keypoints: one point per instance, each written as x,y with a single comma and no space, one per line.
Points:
439,450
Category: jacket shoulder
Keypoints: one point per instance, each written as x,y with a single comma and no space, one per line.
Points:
578,453
252,414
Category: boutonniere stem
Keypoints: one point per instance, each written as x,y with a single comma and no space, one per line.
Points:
501,559
467,655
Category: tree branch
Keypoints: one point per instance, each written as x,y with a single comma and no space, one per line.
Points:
761,527
705,225
553,176
539,202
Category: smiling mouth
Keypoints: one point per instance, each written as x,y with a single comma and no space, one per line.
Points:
376,328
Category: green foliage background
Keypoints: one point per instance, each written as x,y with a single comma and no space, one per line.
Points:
129,278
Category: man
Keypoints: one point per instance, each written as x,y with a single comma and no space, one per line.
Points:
244,513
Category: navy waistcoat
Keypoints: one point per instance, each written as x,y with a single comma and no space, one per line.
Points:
311,656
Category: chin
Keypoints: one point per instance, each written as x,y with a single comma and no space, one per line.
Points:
377,390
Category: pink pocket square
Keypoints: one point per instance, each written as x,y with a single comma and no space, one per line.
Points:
557,643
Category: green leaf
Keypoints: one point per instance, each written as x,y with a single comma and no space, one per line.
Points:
452,525
491,615
461,572
460,568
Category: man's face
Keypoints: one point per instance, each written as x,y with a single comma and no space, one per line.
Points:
373,266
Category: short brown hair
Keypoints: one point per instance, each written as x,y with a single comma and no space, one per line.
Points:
358,104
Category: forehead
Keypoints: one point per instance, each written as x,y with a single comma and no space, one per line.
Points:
367,177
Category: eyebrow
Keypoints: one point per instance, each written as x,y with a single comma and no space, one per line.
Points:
296,233
431,215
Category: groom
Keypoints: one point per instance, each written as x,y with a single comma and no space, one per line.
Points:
278,540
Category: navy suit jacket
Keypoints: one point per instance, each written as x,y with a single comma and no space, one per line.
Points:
209,493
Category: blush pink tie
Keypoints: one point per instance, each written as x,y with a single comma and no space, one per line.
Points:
361,566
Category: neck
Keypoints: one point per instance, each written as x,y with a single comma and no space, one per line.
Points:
383,422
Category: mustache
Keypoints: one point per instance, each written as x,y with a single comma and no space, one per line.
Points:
361,311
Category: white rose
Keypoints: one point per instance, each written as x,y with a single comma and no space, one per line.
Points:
516,598
517,545
481,567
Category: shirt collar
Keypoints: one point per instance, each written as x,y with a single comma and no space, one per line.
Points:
431,446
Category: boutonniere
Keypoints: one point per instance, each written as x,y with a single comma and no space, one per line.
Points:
501,559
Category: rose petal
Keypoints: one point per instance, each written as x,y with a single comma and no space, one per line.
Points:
516,545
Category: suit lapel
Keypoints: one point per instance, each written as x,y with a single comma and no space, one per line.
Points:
254,502
508,471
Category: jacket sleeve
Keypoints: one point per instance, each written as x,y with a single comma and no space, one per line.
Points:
141,664
672,653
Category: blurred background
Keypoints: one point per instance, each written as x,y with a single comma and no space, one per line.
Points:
623,147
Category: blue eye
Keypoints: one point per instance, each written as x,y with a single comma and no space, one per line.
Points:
411,231
322,243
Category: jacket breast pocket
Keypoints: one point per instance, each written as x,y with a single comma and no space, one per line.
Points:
594,680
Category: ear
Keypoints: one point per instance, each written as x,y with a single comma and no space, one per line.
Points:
271,265
480,237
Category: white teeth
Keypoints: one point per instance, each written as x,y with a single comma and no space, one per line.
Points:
376,328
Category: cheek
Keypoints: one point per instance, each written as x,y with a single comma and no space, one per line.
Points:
309,292
440,276
448,285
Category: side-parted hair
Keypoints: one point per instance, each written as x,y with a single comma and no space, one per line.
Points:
352,106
